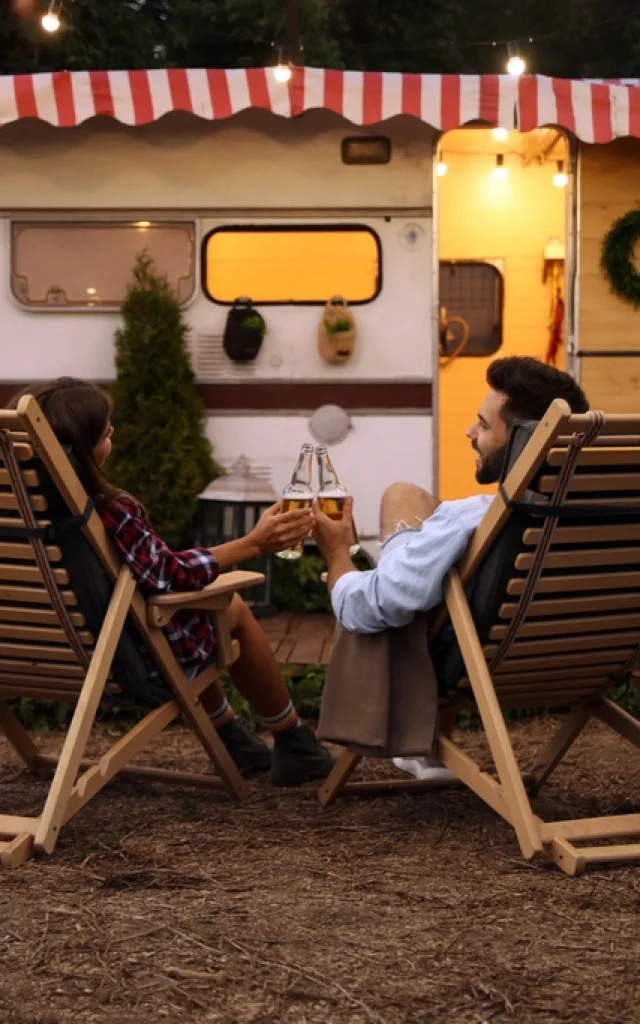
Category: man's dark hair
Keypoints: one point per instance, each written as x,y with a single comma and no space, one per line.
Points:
531,386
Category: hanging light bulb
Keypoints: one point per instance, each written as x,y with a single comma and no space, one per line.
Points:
51,20
441,167
283,70
560,178
515,65
500,171
500,134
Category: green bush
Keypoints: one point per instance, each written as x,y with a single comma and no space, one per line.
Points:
160,453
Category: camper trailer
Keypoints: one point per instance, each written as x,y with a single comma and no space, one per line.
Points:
448,220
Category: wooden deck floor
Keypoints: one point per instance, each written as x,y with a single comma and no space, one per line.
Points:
300,639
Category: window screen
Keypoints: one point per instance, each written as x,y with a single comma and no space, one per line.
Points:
86,265
298,264
471,307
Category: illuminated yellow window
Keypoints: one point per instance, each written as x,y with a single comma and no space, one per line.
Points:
292,264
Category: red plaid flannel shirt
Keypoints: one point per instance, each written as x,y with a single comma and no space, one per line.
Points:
158,570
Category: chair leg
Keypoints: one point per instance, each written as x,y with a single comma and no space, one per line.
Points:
620,721
18,736
520,812
53,814
551,754
340,775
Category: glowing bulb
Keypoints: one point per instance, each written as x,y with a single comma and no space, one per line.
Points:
143,224
500,171
91,291
441,168
560,178
500,134
516,66
282,72
50,22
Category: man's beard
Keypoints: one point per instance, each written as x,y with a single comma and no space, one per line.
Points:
489,470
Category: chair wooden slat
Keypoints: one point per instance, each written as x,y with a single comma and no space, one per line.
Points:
12,666
41,634
580,672
622,456
38,691
594,482
589,643
8,500
23,551
29,574
29,477
9,419
34,595
23,451
38,616
48,652
617,422
557,698
618,533
581,582
59,682
583,558
575,605
565,627
549,662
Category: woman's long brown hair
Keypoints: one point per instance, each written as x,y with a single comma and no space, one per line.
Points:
78,413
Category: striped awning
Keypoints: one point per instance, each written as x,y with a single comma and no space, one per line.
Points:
594,111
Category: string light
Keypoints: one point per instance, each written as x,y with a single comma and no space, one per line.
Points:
516,65
441,167
283,70
51,20
500,171
560,178
500,134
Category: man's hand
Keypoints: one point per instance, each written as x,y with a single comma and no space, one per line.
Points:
276,531
333,536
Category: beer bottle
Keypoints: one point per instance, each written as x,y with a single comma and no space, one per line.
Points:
298,494
331,493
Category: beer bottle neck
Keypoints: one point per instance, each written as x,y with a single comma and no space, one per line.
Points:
327,477
302,473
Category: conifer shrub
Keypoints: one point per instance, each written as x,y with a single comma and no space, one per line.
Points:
160,450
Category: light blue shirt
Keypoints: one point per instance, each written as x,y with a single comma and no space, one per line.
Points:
410,575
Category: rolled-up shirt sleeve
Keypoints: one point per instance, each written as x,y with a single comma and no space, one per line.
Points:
409,578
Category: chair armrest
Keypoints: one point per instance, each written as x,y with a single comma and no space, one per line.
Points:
216,597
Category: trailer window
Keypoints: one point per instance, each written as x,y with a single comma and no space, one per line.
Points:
471,308
88,265
303,264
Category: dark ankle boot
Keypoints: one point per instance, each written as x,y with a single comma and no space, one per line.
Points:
250,754
298,757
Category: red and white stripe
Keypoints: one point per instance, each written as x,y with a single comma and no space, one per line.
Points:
594,111
66,98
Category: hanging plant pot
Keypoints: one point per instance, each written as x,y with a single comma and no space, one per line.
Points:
244,332
336,331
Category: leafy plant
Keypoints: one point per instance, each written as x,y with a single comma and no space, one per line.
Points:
256,323
161,453
338,326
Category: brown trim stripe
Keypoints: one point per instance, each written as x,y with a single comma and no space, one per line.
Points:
302,396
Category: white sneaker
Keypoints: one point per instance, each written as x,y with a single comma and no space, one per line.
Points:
424,768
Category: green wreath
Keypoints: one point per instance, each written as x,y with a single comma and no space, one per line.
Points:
616,260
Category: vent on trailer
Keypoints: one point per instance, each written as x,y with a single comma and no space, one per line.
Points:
211,363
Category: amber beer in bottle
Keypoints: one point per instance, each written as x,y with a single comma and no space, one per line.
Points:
298,494
331,493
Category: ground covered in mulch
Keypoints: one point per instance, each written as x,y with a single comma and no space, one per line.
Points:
167,904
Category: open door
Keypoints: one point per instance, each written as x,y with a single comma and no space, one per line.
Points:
502,216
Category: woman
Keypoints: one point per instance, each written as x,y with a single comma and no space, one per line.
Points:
80,415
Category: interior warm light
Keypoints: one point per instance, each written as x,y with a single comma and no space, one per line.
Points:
500,134
560,178
91,291
500,171
441,167
143,223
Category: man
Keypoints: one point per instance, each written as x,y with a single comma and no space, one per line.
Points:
422,538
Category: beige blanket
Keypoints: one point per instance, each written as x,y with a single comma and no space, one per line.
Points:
380,694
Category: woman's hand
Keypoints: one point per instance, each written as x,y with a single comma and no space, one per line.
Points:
276,530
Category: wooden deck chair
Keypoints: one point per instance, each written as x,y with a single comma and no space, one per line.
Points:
48,652
543,611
